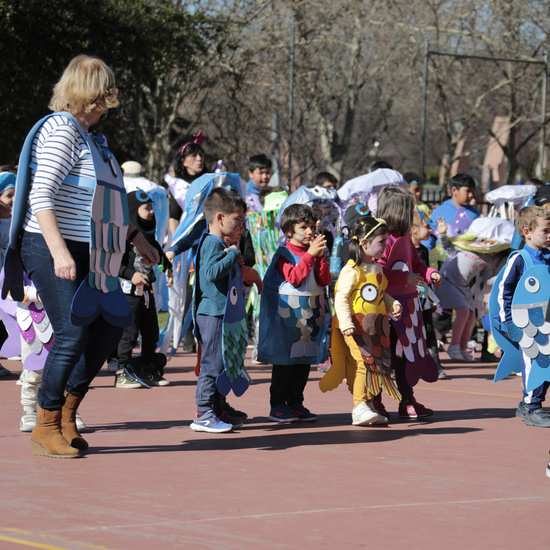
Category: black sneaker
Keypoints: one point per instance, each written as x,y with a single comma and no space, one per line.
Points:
233,412
538,418
152,377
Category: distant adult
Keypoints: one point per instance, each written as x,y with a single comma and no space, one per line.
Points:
68,160
188,165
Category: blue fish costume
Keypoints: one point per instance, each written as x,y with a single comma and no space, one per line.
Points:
292,320
100,292
528,333
234,333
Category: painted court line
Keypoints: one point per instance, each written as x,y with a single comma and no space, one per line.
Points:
66,543
320,510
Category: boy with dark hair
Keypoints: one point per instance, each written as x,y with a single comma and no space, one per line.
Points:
292,330
225,213
259,172
533,225
462,188
324,179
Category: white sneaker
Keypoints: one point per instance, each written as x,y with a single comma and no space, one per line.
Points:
455,353
363,415
28,422
468,357
79,422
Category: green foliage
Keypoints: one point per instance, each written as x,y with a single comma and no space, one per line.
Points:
142,41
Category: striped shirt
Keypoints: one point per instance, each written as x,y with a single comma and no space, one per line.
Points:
58,150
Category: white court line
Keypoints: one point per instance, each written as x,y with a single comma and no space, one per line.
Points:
321,510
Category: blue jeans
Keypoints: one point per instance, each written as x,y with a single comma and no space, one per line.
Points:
210,337
77,353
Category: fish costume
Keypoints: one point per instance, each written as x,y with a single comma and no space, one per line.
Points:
370,343
234,333
400,258
292,328
525,338
100,292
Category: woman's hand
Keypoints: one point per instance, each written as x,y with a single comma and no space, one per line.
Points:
149,254
169,278
64,264
348,331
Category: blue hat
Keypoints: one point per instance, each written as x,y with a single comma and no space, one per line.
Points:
7,180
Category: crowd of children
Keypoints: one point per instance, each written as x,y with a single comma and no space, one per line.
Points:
385,331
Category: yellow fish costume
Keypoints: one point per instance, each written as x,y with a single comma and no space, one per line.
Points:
363,359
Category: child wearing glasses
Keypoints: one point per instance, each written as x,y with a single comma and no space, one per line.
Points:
360,345
137,281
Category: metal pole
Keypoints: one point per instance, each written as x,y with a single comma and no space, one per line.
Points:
291,109
423,122
542,156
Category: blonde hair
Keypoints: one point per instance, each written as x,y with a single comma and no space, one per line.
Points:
417,219
396,206
528,218
87,85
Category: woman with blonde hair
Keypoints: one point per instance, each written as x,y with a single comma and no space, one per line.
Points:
71,208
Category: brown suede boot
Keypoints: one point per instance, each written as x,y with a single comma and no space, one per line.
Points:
47,439
68,422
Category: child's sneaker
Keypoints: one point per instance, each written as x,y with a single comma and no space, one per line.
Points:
522,411
323,367
79,422
363,415
413,410
282,414
126,378
4,371
302,414
28,422
228,419
455,353
234,413
209,422
379,407
152,377
467,356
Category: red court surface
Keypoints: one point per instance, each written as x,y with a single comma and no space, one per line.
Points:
472,476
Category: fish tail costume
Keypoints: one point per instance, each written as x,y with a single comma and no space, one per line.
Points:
100,292
365,354
401,258
292,328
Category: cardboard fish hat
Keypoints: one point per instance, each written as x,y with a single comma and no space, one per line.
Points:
486,235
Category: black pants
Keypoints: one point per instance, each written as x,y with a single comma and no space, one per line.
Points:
399,364
287,384
427,317
144,322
